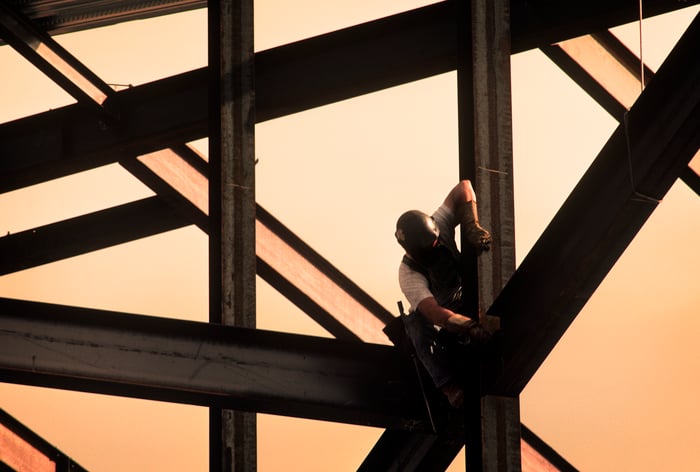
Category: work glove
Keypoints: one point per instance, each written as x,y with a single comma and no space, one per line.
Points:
459,324
479,335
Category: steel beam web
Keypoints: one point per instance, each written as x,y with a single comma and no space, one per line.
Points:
205,364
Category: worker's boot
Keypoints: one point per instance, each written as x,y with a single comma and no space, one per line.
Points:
477,236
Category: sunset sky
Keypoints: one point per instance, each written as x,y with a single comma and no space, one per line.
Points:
618,393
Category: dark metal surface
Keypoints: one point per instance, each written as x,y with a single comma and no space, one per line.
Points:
64,16
205,364
364,58
70,139
486,157
86,233
172,111
636,167
233,434
601,89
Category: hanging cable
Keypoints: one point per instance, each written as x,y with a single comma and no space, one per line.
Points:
641,56
638,196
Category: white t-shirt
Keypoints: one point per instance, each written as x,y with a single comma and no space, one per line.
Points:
414,285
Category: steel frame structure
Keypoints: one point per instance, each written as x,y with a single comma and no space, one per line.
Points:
191,362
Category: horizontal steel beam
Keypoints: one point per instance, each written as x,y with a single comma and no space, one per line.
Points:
87,233
71,139
292,78
614,198
63,16
206,364
66,16
283,259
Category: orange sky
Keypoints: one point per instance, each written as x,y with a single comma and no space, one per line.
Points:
617,393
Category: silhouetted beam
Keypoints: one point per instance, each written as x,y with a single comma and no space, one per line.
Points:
283,260
23,449
64,16
692,179
610,73
602,215
292,78
538,456
51,58
315,285
205,364
540,22
410,451
68,140
410,46
87,233
67,16
178,176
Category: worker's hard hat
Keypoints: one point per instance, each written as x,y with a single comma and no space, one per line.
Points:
416,232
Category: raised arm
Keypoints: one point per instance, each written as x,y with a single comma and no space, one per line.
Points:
460,194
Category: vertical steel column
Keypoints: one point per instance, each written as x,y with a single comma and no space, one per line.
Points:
492,423
232,208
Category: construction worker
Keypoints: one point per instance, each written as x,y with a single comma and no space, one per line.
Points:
431,280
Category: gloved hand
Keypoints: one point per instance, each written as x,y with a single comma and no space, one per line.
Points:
459,324
479,335
476,235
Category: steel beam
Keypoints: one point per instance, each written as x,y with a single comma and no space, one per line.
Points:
492,423
87,233
23,449
284,261
610,73
52,59
361,59
65,16
206,364
691,179
233,434
538,456
69,139
613,199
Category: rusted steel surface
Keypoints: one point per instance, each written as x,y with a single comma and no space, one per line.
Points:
51,58
538,456
22,449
